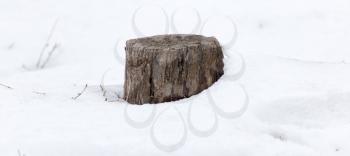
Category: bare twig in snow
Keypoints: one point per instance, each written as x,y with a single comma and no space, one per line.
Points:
47,43
79,94
6,86
105,91
102,84
49,55
108,94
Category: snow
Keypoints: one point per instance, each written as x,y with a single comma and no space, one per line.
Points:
296,77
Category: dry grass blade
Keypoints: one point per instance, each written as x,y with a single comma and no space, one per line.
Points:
79,94
49,56
102,84
46,45
6,86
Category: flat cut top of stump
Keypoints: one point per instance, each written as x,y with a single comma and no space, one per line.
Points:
170,67
171,41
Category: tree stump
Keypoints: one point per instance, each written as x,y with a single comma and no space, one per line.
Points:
170,67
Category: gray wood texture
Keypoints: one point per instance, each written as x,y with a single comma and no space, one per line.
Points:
170,67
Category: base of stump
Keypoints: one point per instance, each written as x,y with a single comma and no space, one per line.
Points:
170,67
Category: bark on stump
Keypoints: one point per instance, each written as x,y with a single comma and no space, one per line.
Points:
170,67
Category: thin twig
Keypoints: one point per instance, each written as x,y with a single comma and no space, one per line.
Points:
105,91
46,45
102,84
49,56
79,94
6,86
103,88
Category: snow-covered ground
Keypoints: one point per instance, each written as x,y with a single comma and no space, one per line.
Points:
297,59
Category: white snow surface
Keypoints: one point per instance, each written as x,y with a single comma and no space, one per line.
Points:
297,58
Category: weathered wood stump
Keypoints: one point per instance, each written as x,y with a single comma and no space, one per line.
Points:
170,67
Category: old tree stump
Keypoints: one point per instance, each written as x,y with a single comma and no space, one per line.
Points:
170,67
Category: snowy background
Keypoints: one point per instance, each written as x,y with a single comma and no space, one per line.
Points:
297,59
